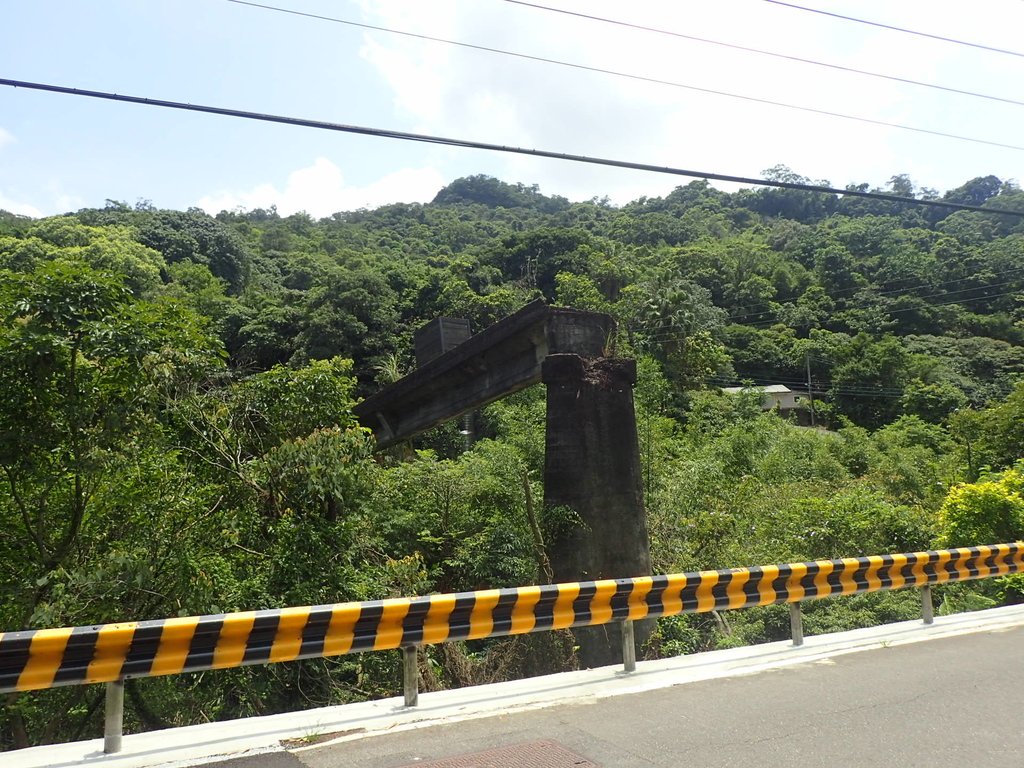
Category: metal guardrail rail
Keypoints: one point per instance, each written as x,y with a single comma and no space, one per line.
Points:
110,653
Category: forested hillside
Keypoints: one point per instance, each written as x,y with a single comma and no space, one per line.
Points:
177,434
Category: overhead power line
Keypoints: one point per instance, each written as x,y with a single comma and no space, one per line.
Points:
763,324
800,386
897,29
467,144
843,293
897,292
640,78
671,334
774,54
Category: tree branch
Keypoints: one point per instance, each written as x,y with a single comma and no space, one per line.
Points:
25,518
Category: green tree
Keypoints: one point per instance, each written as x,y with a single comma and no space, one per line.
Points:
1002,436
191,235
112,249
869,381
77,402
932,402
990,511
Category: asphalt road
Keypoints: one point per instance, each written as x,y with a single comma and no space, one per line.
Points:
944,701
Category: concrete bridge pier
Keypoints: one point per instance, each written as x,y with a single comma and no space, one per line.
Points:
593,489
592,464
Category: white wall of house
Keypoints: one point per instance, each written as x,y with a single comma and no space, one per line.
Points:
775,396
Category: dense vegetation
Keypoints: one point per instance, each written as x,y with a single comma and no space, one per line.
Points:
177,435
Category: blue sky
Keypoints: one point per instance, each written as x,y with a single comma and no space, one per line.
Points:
60,153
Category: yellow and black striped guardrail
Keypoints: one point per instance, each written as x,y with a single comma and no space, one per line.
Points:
35,659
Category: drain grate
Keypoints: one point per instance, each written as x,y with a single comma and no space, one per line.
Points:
533,754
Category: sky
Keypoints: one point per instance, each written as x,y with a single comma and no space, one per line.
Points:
60,153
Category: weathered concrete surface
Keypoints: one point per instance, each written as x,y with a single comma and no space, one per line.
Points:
496,362
592,467
592,462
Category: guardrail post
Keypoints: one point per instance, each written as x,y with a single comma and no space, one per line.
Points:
796,623
410,676
628,646
113,717
927,609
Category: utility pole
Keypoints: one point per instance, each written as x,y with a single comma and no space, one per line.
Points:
648,454
810,392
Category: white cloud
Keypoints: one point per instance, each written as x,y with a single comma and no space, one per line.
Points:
320,190
22,209
6,137
525,103
49,199
60,200
472,94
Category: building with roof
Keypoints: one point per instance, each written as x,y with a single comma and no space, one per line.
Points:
774,396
